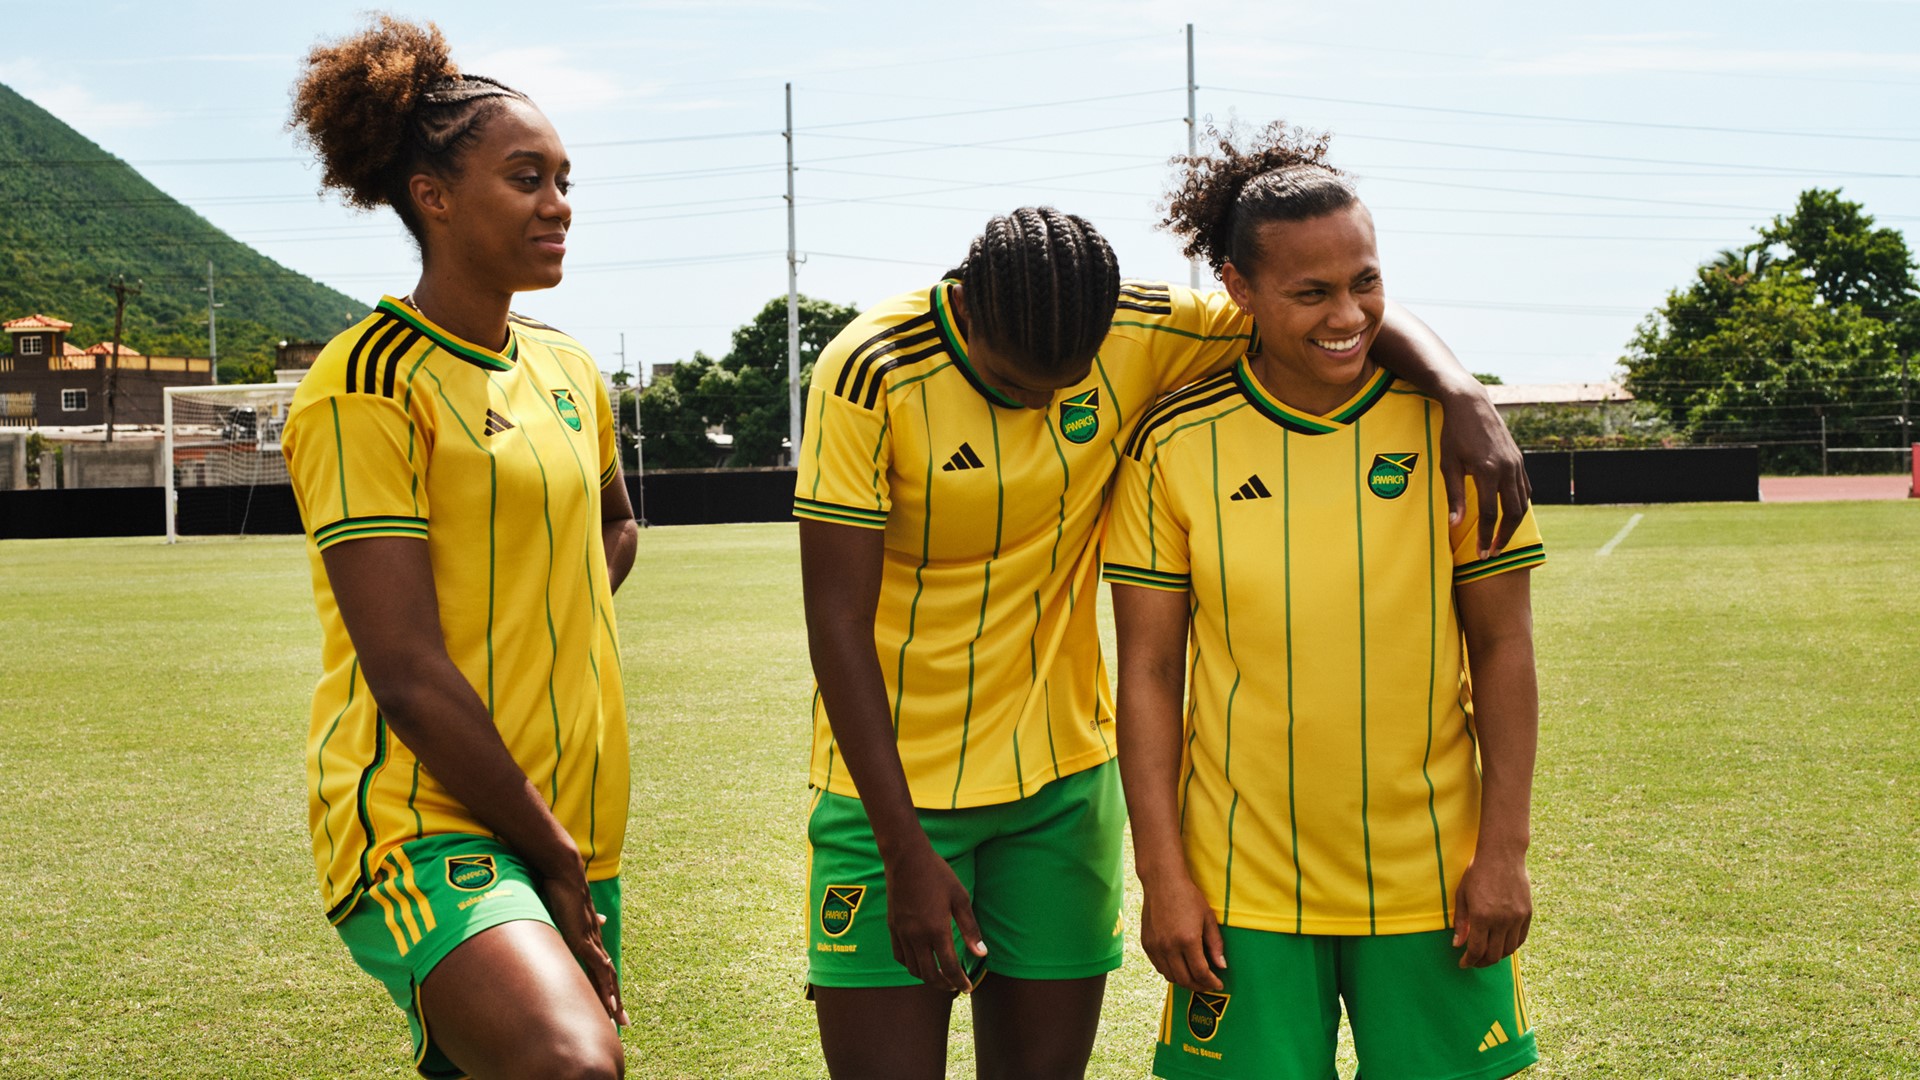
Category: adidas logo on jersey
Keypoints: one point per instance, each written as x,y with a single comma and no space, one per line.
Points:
1252,489
963,458
1496,1035
497,423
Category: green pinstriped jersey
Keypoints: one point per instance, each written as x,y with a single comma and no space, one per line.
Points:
496,459
985,630
1330,781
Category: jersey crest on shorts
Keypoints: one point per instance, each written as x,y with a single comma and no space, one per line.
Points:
1204,1014
1080,417
838,907
471,873
1390,474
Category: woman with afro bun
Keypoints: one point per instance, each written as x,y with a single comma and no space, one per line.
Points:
966,831
467,524
1339,806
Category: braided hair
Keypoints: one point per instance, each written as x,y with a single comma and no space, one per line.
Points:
1041,286
1221,197
387,103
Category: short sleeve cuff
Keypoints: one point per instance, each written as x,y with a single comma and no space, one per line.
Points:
1121,574
607,474
358,528
836,514
1524,558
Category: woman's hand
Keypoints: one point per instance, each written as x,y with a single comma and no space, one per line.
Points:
570,902
924,902
1180,935
1475,442
1492,910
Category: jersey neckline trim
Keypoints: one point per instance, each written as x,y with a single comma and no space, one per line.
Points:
941,301
460,347
1306,423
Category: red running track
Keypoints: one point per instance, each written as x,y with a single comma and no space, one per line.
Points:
1832,488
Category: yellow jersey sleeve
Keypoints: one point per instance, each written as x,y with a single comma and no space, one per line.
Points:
1146,544
1525,551
844,451
1187,333
358,466
606,426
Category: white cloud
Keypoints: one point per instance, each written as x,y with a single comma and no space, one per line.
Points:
73,102
550,75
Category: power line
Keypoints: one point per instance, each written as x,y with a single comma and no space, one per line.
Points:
1578,119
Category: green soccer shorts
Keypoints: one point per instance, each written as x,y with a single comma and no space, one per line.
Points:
1044,874
1415,1013
433,894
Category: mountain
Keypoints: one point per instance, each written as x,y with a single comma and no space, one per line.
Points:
72,216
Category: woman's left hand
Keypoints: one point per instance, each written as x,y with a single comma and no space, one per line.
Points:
1475,442
1492,910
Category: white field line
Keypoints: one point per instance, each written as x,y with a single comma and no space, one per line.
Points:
1607,548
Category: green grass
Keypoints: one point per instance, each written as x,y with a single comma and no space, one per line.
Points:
1728,809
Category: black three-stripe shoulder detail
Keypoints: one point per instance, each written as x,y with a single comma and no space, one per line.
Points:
1150,309
380,326
854,375
879,379
1197,396
375,353
1146,290
394,355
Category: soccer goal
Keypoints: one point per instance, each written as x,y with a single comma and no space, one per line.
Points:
223,446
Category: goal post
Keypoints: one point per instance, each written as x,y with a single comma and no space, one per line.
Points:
225,437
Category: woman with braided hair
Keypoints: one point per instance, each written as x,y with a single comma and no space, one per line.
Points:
966,822
456,472
1338,807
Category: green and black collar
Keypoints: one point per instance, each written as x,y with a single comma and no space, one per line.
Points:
1305,423
465,350
941,301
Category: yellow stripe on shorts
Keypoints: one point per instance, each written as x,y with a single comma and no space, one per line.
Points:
413,889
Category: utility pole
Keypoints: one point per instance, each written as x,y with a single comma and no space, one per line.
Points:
121,290
1193,142
793,303
213,339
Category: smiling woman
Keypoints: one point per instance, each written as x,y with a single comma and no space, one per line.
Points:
467,750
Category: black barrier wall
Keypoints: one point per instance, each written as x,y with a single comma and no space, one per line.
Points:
45,515
716,496
1690,474
226,511
1550,475
712,496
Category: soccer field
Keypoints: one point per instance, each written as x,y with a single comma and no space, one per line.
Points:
1726,846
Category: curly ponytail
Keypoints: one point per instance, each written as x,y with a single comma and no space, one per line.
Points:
386,103
1221,197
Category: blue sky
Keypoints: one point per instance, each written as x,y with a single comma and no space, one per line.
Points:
1541,173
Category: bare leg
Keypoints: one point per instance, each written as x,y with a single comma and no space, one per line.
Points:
1036,1029
512,1002
884,1033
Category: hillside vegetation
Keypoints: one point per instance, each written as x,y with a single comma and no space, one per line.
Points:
72,216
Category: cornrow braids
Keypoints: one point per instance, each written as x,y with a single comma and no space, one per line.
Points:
384,104
1221,197
1041,286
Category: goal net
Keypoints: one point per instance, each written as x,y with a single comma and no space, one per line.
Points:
227,475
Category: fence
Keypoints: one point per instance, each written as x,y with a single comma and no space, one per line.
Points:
714,496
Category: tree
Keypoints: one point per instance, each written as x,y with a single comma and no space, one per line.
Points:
743,393
1803,327
756,413
673,419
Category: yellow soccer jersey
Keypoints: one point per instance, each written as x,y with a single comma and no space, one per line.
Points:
985,629
496,460
1331,782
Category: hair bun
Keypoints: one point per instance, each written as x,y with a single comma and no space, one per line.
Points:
355,99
